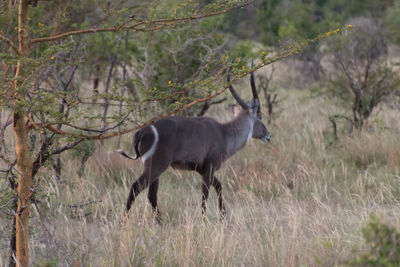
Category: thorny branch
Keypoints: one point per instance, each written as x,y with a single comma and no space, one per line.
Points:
143,25
102,130
66,147
9,42
45,153
101,136
2,130
10,164
9,174
207,105
207,58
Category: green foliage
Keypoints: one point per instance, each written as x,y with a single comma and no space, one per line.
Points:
8,201
171,9
269,18
299,22
167,60
392,22
84,149
48,263
280,19
244,51
383,245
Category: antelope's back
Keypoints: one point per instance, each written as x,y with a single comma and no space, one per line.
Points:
192,140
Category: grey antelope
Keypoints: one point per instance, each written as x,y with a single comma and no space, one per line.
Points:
198,144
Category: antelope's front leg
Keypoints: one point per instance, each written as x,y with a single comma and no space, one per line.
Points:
152,196
208,173
218,188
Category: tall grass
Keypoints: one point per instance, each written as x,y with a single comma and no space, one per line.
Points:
292,202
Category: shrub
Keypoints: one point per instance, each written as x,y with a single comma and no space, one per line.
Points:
383,243
361,77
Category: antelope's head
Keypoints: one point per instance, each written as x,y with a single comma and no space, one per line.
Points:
253,109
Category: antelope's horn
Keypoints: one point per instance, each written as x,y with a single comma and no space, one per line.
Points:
253,87
240,101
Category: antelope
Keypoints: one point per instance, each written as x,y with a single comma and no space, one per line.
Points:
198,144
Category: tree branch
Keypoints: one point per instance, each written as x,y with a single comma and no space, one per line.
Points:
8,171
66,147
9,42
124,73
110,71
140,24
2,130
266,61
102,130
44,153
207,105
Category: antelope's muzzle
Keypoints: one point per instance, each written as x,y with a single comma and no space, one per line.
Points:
266,138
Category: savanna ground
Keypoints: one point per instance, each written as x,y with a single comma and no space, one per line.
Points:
296,201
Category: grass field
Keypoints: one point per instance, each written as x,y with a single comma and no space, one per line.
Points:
292,202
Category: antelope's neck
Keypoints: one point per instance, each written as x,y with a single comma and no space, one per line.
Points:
238,132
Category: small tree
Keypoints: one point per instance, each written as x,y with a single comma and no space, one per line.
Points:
269,93
361,76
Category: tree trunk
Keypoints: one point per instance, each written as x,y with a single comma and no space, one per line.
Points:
11,262
24,161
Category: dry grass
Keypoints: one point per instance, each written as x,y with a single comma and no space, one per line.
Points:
292,202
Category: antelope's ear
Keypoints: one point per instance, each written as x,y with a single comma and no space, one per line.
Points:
236,109
254,105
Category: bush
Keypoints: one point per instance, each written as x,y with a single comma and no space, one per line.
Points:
361,76
383,244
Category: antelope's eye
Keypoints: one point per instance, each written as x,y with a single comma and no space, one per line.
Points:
260,117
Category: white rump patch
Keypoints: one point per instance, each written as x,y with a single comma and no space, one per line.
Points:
152,149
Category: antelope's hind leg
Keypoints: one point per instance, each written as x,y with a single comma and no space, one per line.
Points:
136,188
153,168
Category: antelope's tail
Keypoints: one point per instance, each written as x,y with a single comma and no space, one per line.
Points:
126,155
136,142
